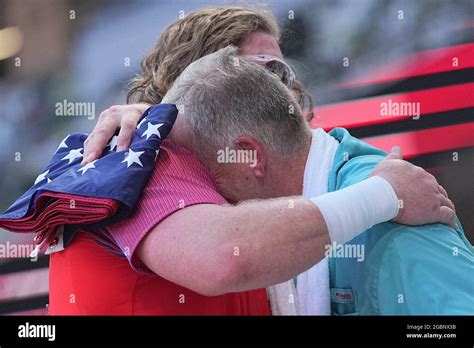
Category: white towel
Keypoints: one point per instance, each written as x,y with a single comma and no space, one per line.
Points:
313,285
283,298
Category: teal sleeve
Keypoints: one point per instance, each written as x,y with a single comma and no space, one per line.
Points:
422,270
427,270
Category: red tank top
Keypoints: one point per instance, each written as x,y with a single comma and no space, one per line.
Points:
85,279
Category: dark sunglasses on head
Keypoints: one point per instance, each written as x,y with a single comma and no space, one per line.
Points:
276,66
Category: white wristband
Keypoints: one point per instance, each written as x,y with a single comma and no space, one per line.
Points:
354,209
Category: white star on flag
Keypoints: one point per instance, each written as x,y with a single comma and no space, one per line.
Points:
63,144
152,130
72,155
141,122
88,166
41,177
113,143
132,157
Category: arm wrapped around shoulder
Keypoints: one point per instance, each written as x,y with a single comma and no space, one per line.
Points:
354,209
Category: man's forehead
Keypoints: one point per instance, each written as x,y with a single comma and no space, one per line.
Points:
260,43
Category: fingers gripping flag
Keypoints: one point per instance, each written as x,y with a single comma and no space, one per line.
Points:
97,194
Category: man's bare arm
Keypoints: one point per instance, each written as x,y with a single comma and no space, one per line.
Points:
217,249
213,249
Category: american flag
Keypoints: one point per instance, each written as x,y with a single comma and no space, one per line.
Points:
95,195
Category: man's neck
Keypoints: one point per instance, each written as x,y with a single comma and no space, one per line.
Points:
289,180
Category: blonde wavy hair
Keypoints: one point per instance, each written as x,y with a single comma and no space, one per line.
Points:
197,35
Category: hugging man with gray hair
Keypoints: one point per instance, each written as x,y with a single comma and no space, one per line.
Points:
229,104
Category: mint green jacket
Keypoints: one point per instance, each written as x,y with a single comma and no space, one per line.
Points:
405,270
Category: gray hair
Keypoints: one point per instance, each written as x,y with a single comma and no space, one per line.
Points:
223,96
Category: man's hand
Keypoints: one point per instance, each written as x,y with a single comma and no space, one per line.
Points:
422,199
125,117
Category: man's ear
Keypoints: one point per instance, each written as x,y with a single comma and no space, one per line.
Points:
254,154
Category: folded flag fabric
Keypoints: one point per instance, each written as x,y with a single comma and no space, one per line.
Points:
97,194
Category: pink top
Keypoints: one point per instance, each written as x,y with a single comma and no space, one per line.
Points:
179,180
